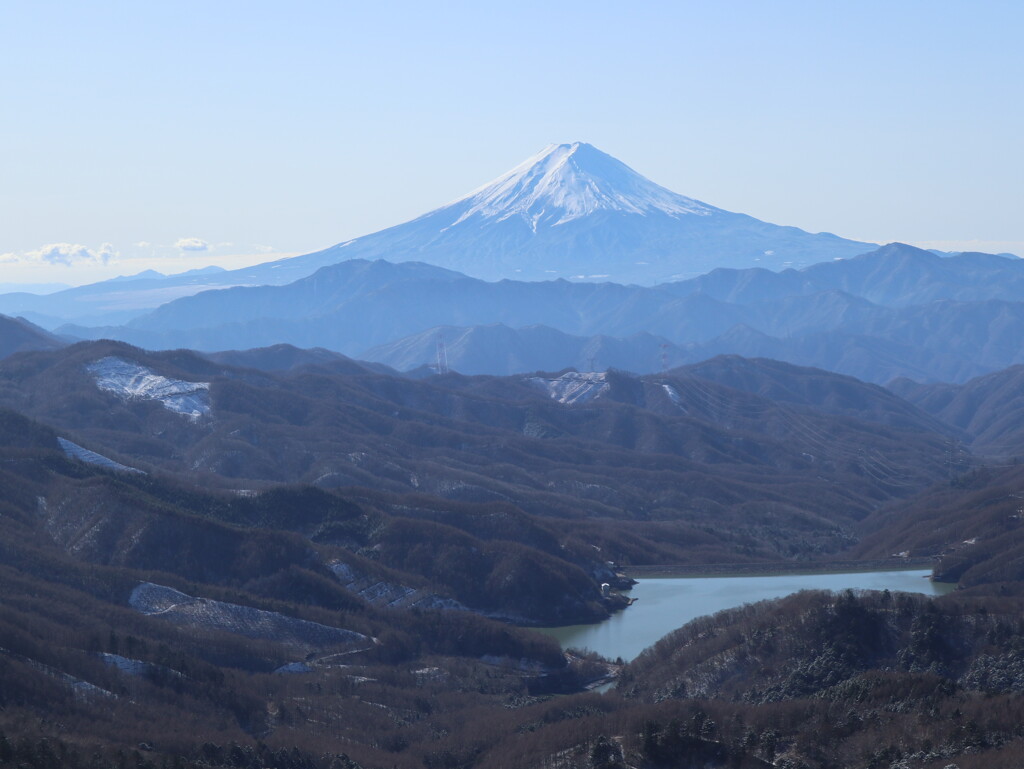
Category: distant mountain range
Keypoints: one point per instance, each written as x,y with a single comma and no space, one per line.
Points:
896,312
500,349
117,300
895,275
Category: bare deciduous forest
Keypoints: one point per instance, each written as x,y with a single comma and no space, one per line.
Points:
340,570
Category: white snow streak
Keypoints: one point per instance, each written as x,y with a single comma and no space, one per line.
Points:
673,395
183,609
74,451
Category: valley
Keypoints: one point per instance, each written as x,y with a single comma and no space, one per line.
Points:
323,512
357,557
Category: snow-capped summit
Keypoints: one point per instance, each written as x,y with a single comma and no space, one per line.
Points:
568,181
571,211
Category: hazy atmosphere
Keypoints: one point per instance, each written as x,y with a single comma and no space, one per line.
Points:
174,136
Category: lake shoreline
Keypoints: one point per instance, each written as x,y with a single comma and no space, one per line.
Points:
666,603
778,568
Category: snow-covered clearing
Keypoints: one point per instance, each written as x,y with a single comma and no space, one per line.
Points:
130,381
573,388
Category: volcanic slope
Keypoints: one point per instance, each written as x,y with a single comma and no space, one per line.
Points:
573,211
705,471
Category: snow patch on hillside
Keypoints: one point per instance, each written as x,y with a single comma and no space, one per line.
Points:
569,181
74,451
574,387
182,609
130,381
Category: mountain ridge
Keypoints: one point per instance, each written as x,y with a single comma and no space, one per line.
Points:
19,335
957,331
895,275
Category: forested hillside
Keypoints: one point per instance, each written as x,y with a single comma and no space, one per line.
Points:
312,563
703,470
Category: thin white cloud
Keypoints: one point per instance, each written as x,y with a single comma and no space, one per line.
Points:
192,244
66,254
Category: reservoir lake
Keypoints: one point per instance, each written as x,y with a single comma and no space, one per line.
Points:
664,604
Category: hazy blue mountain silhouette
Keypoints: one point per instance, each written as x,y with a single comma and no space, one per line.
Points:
898,311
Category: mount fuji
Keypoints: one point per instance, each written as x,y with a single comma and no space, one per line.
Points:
572,211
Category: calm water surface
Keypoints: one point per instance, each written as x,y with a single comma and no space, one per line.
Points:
663,604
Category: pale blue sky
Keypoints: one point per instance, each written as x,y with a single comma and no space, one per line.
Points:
265,128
